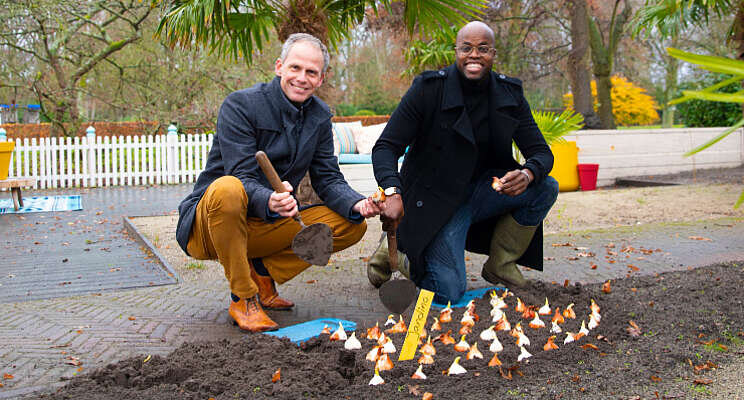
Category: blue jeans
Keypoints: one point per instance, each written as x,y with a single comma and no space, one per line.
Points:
445,256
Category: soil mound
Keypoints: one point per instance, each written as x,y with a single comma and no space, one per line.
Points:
688,323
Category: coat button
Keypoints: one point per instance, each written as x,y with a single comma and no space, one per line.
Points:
419,203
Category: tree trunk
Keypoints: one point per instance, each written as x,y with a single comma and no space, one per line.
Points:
603,56
604,90
578,67
738,37
670,88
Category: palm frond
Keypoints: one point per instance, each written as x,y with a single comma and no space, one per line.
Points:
718,64
432,54
432,15
554,126
716,139
230,29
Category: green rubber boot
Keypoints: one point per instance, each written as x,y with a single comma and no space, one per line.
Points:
508,243
378,267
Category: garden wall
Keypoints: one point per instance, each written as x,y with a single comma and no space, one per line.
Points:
624,153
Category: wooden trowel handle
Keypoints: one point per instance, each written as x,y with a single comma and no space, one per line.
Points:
270,172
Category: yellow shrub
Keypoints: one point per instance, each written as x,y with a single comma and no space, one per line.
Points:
630,104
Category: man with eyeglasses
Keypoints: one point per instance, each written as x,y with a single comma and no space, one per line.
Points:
460,123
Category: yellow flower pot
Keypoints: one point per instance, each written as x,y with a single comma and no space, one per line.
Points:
566,157
6,152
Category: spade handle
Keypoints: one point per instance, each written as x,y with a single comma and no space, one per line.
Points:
273,177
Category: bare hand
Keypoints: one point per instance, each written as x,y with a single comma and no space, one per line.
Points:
367,208
283,203
515,182
392,207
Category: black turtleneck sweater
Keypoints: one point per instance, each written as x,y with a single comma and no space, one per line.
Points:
475,96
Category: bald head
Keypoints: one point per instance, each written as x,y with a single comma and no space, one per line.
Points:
477,28
474,50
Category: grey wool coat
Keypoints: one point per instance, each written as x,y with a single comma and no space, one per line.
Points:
432,120
262,118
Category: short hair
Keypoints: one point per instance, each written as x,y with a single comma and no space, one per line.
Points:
305,37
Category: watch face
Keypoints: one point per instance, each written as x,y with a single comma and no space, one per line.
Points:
390,191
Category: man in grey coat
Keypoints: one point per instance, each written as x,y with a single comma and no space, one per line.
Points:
234,216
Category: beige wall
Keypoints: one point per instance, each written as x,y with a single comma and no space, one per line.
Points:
624,153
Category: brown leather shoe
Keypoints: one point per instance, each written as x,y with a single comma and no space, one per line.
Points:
249,315
267,294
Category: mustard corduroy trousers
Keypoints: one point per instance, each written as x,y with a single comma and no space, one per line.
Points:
222,231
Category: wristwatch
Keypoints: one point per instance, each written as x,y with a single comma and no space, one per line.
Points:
392,190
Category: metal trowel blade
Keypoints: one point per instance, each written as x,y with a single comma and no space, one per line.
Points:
397,294
314,244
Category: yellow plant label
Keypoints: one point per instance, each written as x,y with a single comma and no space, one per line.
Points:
418,321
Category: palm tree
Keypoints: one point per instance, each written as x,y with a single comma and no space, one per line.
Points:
240,28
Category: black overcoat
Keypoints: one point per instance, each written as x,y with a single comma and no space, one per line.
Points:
432,120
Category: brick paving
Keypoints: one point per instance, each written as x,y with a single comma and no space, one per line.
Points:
39,339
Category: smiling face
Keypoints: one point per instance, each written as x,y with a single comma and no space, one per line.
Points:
474,65
301,72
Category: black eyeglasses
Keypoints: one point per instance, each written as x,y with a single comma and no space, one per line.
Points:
466,49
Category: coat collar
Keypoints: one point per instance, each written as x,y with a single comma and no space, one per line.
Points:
499,95
313,109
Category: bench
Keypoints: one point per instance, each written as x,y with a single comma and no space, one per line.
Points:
15,185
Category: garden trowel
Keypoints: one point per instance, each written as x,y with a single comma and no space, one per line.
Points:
314,243
397,293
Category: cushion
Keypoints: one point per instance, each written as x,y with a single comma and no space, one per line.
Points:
343,138
355,159
366,136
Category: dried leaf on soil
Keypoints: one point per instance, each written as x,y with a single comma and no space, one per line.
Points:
276,376
7,376
704,239
655,378
633,329
702,381
606,287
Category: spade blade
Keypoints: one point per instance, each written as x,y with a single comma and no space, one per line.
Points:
397,294
314,244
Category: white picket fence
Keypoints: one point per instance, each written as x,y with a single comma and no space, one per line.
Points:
110,161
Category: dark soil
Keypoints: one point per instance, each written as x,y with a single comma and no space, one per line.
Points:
733,175
686,319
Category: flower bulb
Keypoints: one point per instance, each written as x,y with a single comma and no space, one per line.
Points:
488,334
496,346
550,345
569,312
456,368
419,374
377,379
537,323
544,310
523,354
473,352
462,346
384,363
339,334
352,343
373,333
